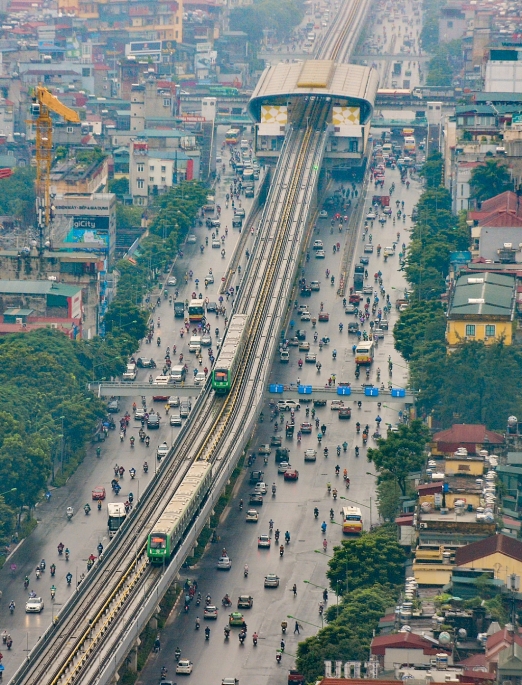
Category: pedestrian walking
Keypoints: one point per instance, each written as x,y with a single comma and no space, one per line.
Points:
296,629
294,590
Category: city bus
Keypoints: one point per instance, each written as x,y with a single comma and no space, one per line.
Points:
352,521
364,352
232,136
196,311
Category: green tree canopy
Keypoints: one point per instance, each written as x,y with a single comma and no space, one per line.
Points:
400,453
490,179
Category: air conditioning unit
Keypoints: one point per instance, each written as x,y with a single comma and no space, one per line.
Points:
54,325
423,525
19,321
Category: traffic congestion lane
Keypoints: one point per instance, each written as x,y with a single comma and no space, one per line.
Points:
83,533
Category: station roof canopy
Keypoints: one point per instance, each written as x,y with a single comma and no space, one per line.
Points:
347,85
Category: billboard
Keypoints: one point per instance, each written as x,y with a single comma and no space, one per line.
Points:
346,116
276,114
91,230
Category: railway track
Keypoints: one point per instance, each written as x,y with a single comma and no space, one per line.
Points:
83,627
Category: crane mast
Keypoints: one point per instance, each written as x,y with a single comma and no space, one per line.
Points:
43,104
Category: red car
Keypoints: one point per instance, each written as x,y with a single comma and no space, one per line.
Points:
98,492
291,475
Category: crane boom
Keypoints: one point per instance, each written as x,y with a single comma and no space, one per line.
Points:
50,101
44,103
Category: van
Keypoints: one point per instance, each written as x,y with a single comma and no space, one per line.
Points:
237,222
184,409
178,373
244,145
179,310
311,36
195,343
249,191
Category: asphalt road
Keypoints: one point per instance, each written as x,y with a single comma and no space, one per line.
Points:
292,507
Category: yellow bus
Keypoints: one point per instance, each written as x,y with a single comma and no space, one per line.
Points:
352,521
364,352
232,136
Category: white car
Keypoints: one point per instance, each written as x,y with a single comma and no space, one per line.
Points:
318,245
162,380
287,405
184,666
388,251
336,404
200,378
283,466
162,450
139,414
271,580
252,516
310,455
210,611
263,541
34,605
229,681
305,316
173,401
371,216
320,254
172,281
260,488
209,278
323,214
175,420
224,563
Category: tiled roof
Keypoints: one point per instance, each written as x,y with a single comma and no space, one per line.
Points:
403,641
475,434
504,544
487,294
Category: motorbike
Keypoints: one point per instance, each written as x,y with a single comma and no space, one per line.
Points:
226,630
42,565
345,446
147,443
132,473
52,568
61,547
145,467
316,512
67,555
177,654
245,571
38,573
254,639
242,637
197,626
281,551
70,512
12,607
278,657
87,509
226,602
53,592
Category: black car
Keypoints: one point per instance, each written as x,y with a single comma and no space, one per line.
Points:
145,363
364,260
211,307
153,421
353,327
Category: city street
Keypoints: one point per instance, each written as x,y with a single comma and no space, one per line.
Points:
292,507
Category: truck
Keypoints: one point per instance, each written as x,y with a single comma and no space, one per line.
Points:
117,516
179,310
382,200
358,277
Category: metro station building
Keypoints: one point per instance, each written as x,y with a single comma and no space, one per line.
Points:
348,90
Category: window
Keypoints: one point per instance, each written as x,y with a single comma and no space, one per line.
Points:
140,168
86,71
151,168
470,330
354,146
166,102
490,330
163,169
163,179
70,129
141,183
151,179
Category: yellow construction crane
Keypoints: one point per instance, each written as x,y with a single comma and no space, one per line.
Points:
43,104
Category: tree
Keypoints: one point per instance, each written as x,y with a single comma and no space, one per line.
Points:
420,322
400,453
125,318
374,557
489,179
348,636
119,186
127,216
18,195
432,170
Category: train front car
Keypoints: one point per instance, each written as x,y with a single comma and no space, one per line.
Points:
229,356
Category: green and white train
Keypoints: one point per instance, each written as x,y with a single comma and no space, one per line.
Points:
179,513
224,370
